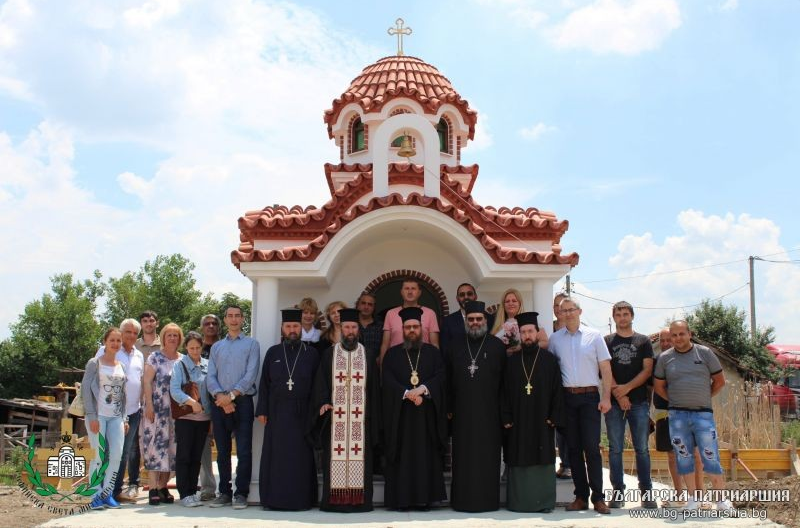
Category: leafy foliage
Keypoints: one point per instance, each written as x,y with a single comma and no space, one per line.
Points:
727,327
59,330
62,328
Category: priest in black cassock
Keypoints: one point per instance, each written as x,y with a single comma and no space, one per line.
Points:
476,368
414,422
533,407
344,419
288,476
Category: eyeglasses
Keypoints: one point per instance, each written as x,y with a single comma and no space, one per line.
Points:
475,319
210,323
568,310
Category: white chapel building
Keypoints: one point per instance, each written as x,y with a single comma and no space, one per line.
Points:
391,216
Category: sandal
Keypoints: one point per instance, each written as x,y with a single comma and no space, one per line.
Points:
154,498
165,496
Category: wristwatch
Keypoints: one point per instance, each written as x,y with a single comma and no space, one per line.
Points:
232,395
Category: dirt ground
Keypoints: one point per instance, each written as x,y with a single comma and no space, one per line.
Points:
17,511
786,513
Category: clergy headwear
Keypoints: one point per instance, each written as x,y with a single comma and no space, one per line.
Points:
411,313
348,315
528,318
475,307
291,315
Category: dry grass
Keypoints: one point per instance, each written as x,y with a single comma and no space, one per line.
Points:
745,418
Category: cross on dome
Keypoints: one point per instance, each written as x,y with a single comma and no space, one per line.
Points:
399,30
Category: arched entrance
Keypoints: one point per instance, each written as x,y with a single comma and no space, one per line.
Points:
386,289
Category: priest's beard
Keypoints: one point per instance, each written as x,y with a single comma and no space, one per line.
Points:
530,346
478,332
411,344
292,340
349,343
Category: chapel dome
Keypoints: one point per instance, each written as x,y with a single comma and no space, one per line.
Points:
401,76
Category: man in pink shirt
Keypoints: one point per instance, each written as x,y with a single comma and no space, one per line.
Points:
411,291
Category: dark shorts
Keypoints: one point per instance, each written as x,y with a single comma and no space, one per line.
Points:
663,443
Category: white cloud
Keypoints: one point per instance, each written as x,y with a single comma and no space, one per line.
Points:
729,5
702,240
223,91
613,26
535,132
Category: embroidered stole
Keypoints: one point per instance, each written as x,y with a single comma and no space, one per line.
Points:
349,376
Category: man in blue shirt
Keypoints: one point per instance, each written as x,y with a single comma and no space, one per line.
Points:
231,380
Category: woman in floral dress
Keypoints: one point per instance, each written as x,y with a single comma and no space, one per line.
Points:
158,428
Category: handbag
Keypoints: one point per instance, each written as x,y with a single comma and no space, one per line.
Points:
191,389
76,407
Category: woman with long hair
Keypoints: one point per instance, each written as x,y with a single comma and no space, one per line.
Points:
103,392
505,322
333,332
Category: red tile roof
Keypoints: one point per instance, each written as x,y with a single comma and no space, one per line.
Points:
319,224
401,76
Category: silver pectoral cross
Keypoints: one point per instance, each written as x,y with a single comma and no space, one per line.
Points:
472,368
290,383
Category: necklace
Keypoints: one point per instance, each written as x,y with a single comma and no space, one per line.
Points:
473,367
414,374
290,383
528,388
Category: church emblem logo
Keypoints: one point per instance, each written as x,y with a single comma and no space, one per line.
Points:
66,487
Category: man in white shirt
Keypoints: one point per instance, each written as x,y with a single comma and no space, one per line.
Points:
582,353
132,361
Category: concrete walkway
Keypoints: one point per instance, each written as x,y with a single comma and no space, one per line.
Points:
142,515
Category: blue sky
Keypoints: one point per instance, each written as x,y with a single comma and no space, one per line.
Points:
667,132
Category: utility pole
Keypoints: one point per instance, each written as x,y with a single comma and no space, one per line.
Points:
751,260
569,286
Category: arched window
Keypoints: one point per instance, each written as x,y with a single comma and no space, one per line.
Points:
444,135
357,136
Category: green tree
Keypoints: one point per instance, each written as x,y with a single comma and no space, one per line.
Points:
165,285
726,327
59,330
209,305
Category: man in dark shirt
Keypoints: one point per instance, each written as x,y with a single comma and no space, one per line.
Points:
370,331
631,366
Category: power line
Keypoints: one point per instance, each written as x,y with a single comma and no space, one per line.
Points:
664,307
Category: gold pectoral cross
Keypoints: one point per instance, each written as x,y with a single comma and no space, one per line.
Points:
528,388
290,383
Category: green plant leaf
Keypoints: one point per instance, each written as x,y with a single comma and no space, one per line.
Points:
50,488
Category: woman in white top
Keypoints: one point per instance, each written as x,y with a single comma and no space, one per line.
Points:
505,322
103,392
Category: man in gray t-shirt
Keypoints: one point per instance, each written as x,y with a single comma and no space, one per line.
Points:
688,376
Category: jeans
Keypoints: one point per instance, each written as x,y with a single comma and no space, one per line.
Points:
208,484
191,437
690,429
583,439
240,424
638,417
130,454
113,430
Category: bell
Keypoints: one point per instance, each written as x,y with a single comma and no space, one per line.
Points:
406,150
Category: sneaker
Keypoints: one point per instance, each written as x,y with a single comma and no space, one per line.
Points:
725,505
110,502
190,501
221,500
564,473
132,493
691,504
239,502
97,503
206,496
